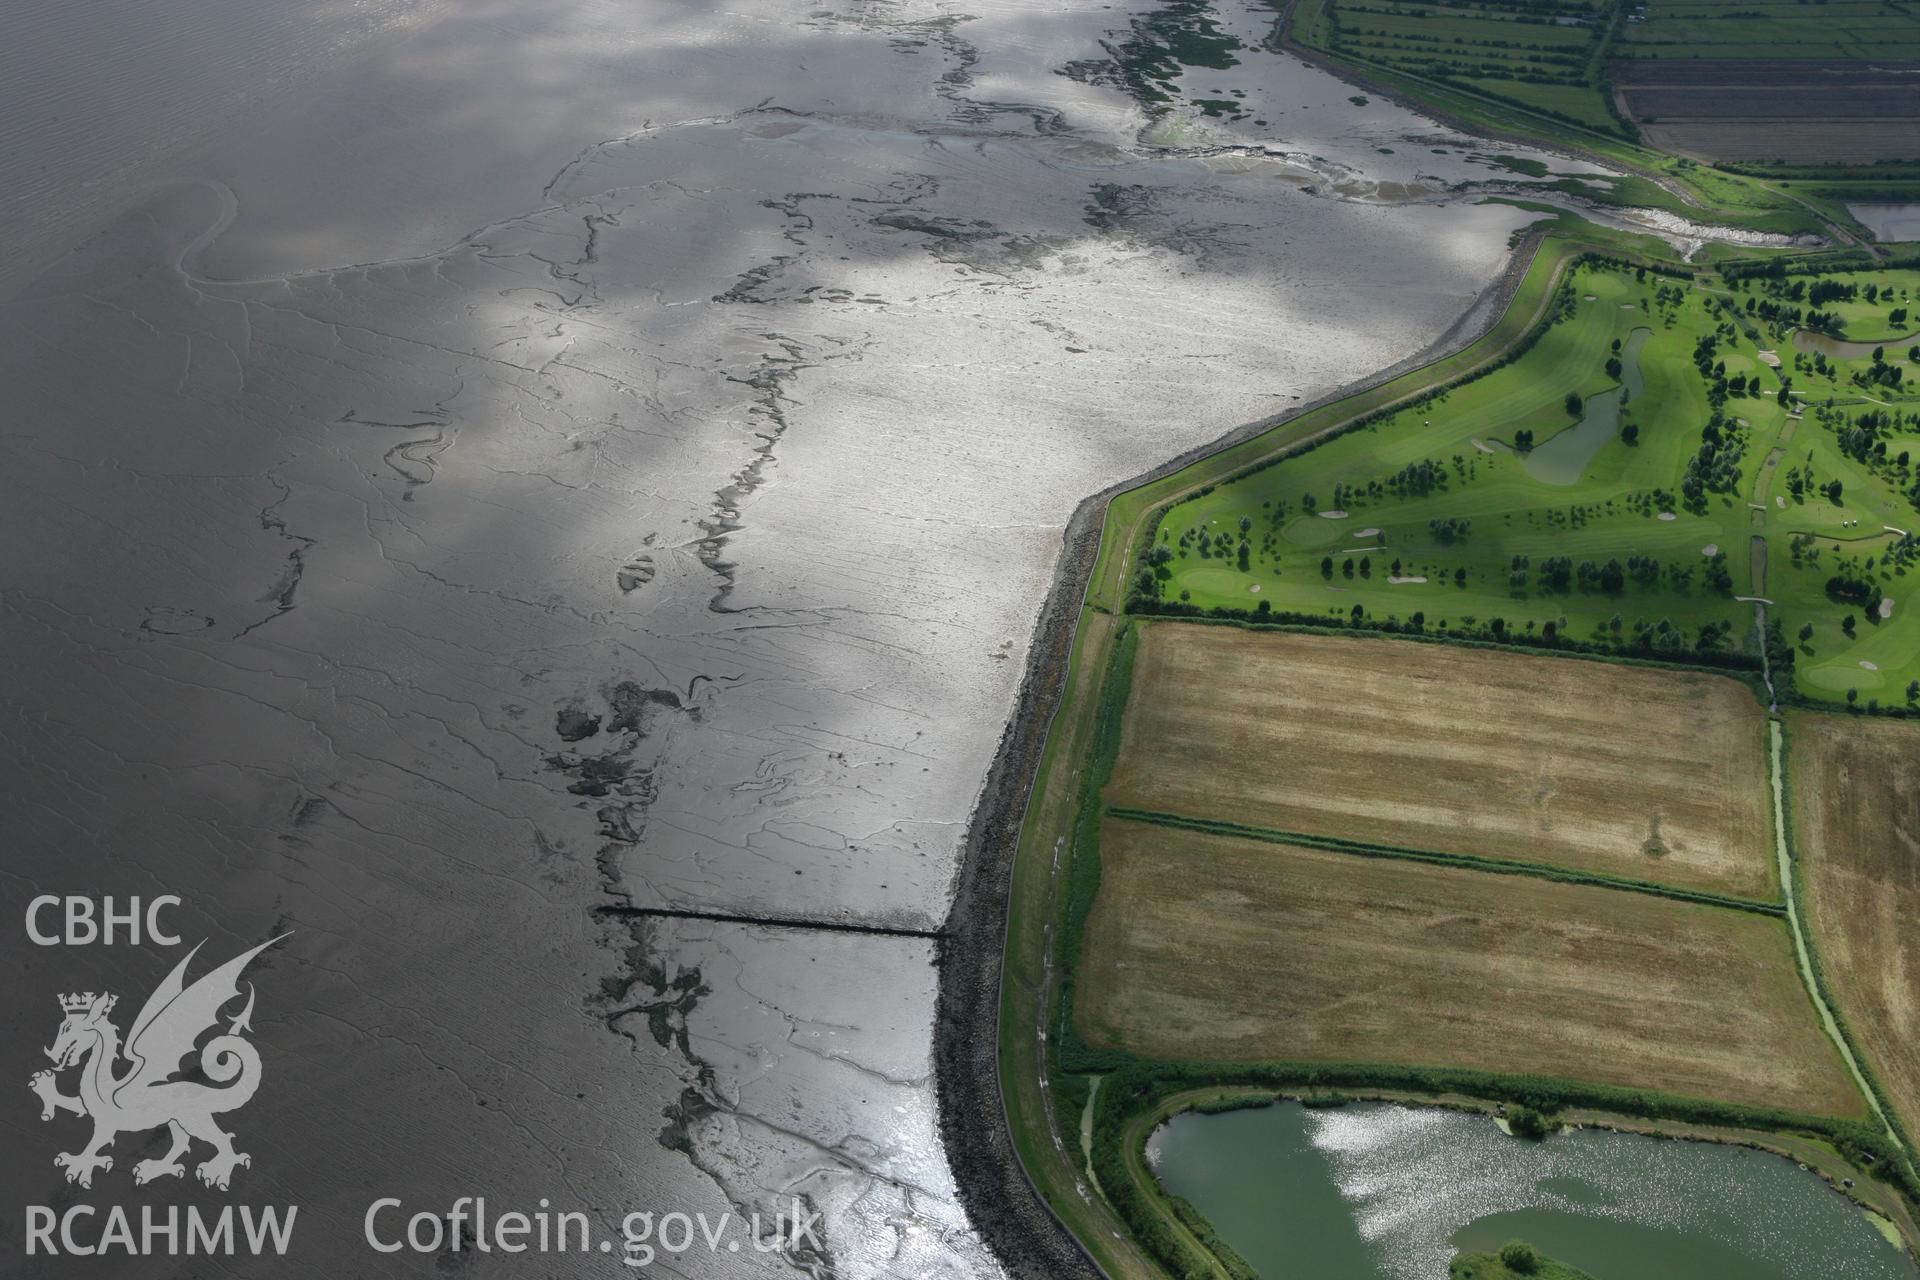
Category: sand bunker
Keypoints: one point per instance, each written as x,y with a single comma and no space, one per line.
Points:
1255,588
1668,515
1483,447
1886,606
1367,533
1398,581
1769,358
1588,297
1779,501
1868,666
1333,515
1711,550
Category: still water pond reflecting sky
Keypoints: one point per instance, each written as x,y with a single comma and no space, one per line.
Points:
1380,1192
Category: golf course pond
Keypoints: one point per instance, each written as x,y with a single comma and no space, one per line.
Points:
1375,1191
1888,221
1841,349
1563,458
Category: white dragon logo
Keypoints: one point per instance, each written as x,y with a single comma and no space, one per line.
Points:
146,1095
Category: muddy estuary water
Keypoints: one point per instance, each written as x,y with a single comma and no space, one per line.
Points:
1378,1192
549,502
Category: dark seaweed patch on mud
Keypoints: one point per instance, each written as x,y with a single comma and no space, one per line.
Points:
617,774
574,724
1148,59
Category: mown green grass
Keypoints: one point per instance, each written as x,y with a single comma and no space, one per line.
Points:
1812,536
1869,320
1297,557
1568,237
1512,513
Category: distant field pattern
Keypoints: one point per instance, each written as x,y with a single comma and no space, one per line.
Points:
1543,56
1827,82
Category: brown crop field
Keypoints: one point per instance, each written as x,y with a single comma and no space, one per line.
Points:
1856,797
1628,771
1218,948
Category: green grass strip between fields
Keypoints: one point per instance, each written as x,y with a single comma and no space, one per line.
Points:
1464,861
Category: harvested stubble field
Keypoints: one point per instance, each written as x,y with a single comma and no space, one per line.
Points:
1856,796
1625,771
1210,947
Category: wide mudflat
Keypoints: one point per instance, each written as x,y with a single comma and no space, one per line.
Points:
1228,949
1627,771
1856,799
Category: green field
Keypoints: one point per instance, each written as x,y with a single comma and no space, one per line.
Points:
1544,56
1850,29
1531,504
